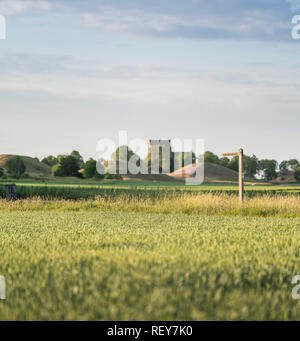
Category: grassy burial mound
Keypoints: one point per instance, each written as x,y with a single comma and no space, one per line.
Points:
150,177
33,166
212,173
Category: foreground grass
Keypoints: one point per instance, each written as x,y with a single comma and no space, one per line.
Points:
192,204
103,265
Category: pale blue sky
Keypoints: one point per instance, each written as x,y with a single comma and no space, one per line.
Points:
73,72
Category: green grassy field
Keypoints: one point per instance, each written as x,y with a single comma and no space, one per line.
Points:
74,182
63,188
202,257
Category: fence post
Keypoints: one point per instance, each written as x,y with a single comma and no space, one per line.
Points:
241,175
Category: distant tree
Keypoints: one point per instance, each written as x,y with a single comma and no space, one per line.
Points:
67,166
224,161
50,160
15,167
250,165
78,157
293,163
57,170
90,170
122,155
185,159
297,172
1,172
211,157
268,167
234,164
284,166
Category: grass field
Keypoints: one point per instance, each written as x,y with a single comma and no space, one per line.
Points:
188,257
56,188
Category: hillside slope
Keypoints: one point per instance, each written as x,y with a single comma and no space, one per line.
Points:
149,177
212,172
33,166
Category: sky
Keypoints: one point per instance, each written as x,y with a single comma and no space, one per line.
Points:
74,72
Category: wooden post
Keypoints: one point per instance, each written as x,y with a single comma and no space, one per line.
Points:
240,154
241,175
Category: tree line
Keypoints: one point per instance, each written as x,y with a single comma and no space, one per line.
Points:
268,169
253,167
73,164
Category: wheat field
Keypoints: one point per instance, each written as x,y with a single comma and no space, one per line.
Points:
203,257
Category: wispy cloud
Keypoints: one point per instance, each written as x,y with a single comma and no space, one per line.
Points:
64,77
130,21
295,4
30,64
13,7
214,19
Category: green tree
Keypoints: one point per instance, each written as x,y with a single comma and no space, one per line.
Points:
224,161
90,169
234,164
15,167
57,170
185,159
268,167
50,160
211,157
1,172
76,155
293,163
67,166
122,155
297,172
284,166
250,165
